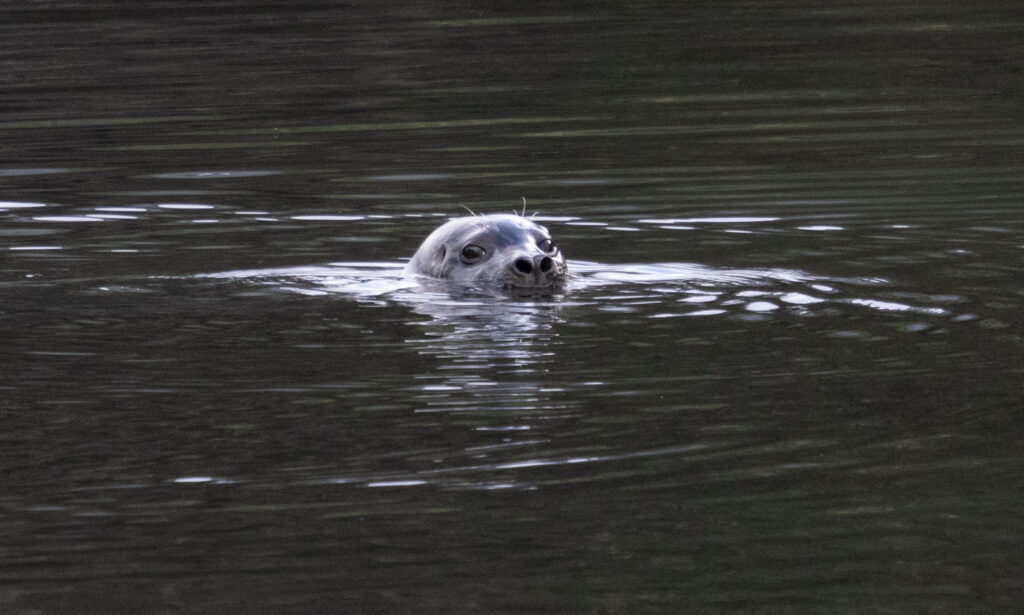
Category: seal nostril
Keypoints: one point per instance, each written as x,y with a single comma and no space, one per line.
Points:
523,265
546,264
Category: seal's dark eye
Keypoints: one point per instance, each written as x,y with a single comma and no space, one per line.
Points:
472,252
547,245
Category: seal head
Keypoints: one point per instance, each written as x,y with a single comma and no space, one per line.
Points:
499,249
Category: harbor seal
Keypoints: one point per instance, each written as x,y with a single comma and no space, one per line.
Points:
506,250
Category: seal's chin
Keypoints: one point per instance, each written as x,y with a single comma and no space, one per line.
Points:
532,292
521,287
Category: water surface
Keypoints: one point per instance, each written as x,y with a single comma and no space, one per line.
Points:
787,375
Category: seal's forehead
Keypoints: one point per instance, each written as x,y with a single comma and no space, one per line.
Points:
497,229
512,231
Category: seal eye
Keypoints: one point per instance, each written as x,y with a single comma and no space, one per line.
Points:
472,253
547,246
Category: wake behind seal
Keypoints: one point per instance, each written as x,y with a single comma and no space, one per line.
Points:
505,250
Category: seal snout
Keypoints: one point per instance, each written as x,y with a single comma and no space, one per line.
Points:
541,263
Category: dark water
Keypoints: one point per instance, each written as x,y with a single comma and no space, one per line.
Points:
787,377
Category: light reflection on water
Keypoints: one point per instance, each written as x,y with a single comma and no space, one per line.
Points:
725,290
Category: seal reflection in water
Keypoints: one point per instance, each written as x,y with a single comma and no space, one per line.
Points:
505,250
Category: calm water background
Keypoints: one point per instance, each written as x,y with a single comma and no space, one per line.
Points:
788,377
